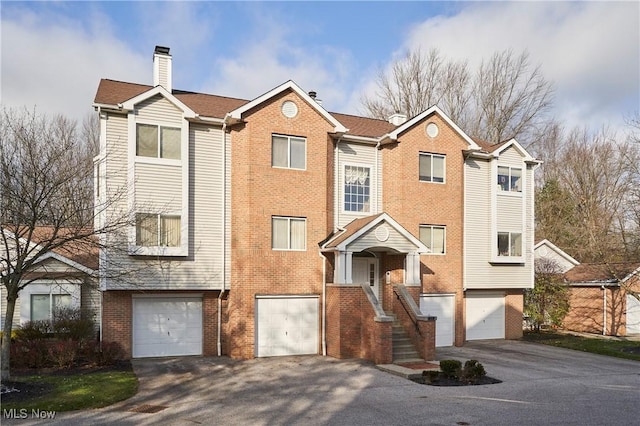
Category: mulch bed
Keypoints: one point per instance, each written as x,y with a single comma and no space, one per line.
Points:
442,380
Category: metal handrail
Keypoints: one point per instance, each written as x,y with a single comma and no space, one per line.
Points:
415,322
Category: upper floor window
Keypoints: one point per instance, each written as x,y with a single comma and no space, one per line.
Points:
288,152
431,167
158,141
288,233
357,189
433,236
509,244
510,178
157,230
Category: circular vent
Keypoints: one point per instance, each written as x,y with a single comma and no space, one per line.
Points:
289,109
382,233
432,130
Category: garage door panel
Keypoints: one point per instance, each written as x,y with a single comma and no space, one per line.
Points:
443,308
167,327
485,317
286,326
633,315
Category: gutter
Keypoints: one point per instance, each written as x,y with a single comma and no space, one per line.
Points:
604,310
324,304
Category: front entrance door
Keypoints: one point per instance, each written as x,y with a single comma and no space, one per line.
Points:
365,270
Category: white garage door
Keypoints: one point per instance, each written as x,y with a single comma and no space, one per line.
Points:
167,327
633,315
485,316
442,307
286,326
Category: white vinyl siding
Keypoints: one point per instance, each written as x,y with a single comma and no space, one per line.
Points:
159,110
369,239
357,155
163,187
486,214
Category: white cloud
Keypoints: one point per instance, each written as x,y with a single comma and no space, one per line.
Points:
54,63
271,55
590,50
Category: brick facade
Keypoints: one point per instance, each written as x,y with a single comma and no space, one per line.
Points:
587,314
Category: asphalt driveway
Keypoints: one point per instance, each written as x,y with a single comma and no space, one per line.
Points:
541,385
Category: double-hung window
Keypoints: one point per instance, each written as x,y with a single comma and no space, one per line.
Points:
288,233
357,189
432,167
510,244
154,230
434,237
158,141
510,179
288,152
44,306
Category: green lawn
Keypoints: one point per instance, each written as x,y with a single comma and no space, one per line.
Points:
78,391
597,345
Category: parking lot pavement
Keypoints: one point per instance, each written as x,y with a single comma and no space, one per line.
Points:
540,385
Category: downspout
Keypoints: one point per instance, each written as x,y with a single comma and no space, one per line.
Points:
604,310
224,235
324,304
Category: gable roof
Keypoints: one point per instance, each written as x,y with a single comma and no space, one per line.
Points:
558,251
393,135
288,85
602,273
358,227
114,93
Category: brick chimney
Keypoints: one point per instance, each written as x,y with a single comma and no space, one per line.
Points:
162,68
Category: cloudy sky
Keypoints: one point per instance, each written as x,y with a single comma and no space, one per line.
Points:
53,54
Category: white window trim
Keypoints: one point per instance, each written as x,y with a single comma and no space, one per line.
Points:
509,259
183,163
289,218
444,167
289,151
432,253
181,250
499,189
157,159
372,194
49,287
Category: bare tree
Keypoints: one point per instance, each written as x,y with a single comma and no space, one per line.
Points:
47,206
586,204
505,98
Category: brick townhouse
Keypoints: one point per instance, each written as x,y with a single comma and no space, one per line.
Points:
271,226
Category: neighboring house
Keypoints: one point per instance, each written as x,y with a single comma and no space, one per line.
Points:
601,296
601,301
274,227
545,249
62,278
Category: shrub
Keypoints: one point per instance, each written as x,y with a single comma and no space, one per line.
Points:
33,330
450,367
108,353
69,323
472,371
29,354
63,353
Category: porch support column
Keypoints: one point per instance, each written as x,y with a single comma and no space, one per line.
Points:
342,273
412,269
